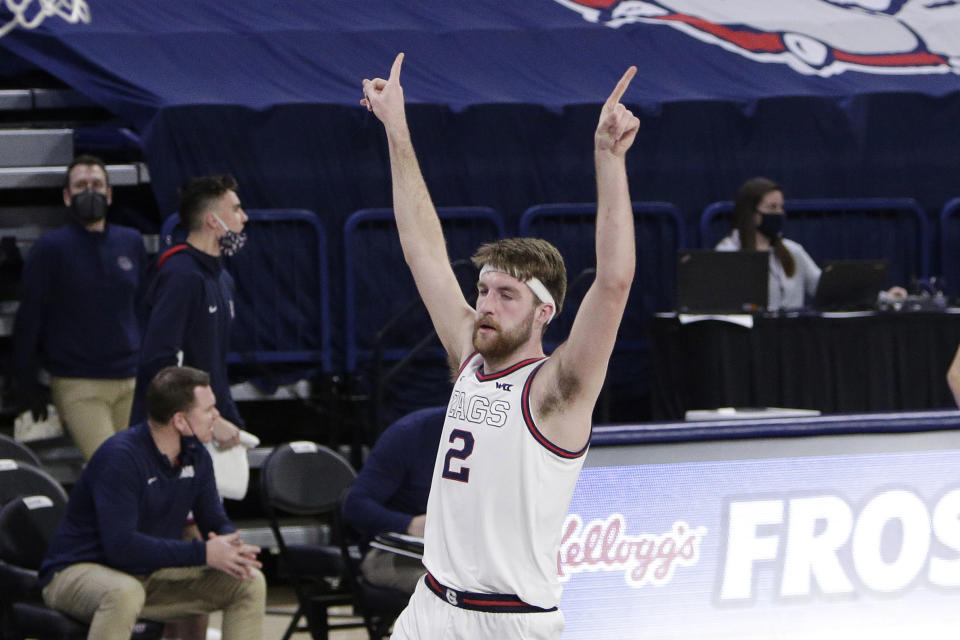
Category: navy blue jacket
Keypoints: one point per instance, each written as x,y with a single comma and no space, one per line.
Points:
129,507
188,306
394,484
77,315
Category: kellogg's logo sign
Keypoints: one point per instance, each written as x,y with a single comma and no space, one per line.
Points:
604,545
813,37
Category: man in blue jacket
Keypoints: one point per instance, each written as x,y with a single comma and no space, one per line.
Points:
390,494
189,301
118,555
77,316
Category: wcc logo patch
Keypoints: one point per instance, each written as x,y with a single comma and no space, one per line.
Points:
812,37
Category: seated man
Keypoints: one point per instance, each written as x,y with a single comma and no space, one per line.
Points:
390,494
118,554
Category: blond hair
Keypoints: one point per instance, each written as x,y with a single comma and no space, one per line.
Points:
526,258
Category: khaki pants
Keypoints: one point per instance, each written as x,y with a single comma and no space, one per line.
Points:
386,569
111,601
92,410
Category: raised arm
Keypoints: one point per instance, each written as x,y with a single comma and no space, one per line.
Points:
572,379
421,236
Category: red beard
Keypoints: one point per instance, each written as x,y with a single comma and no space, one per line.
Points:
498,344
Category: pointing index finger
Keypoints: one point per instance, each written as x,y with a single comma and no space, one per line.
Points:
621,87
395,69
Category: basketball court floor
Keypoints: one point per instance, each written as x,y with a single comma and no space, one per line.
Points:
281,603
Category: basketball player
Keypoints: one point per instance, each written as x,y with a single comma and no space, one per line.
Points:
518,424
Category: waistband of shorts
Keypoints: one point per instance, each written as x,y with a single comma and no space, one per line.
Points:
487,602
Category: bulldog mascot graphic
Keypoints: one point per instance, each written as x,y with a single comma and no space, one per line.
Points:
814,37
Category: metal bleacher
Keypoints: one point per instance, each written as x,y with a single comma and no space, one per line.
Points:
38,139
36,147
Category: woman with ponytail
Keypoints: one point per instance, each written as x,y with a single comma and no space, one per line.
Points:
758,220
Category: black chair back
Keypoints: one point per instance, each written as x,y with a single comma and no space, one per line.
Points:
32,503
24,479
16,450
307,479
27,526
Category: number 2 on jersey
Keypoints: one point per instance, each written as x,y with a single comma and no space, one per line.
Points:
465,440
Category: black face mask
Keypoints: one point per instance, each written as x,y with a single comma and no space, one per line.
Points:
88,206
771,225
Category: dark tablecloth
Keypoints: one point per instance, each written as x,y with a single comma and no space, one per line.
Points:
875,362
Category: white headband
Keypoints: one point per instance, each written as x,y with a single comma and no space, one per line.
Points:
535,285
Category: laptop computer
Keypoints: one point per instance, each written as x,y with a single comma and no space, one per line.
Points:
711,281
850,285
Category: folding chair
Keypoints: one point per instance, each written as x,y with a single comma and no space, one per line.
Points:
33,505
378,606
16,450
306,479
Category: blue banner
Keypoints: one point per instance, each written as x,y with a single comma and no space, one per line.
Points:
831,98
131,54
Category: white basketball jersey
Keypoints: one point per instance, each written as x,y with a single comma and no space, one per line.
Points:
500,490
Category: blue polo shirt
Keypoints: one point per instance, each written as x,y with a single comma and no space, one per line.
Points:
128,508
77,315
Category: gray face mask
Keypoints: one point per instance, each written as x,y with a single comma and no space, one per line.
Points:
88,206
232,241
